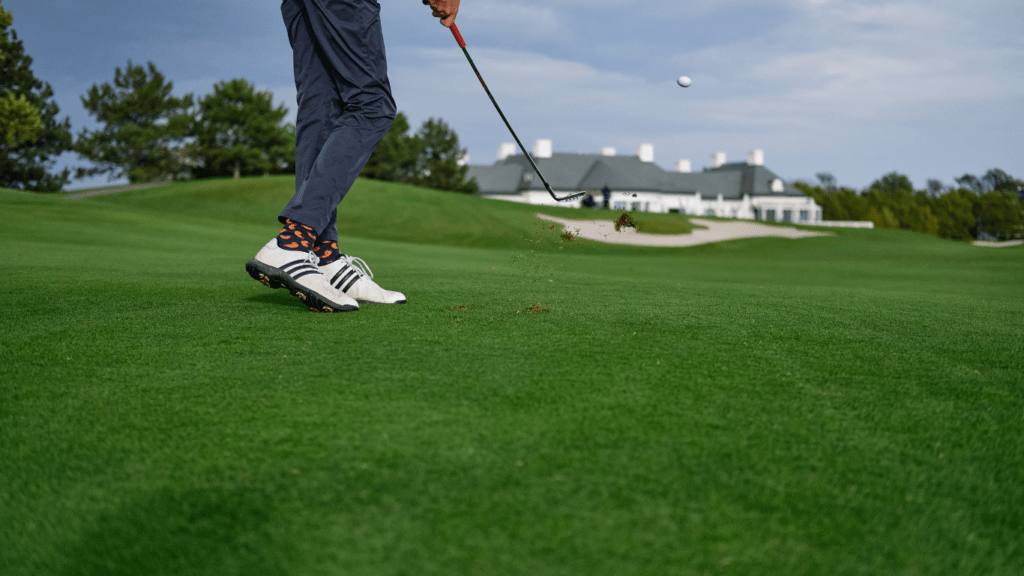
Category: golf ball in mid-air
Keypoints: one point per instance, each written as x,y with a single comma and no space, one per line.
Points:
684,81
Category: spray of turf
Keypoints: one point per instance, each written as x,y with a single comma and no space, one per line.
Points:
624,221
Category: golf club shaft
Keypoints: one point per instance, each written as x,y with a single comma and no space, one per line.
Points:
462,44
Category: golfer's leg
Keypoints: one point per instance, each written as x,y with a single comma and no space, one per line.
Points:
287,261
317,99
349,40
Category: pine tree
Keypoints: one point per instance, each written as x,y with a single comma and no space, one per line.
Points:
429,158
19,120
32,136
438,163
239,132
144,127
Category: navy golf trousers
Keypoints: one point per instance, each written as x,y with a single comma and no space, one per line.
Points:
344,99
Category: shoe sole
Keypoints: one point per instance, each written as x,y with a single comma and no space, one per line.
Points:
275,278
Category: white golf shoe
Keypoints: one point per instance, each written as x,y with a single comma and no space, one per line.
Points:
297,271
351,276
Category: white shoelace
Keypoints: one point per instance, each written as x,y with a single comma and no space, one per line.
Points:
360,266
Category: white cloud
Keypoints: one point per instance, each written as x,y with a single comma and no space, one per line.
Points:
518,17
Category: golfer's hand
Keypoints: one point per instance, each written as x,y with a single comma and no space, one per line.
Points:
445,10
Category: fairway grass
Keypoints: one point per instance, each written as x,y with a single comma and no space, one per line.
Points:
842,405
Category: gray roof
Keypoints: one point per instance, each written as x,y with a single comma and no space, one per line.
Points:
757,180
497,179
574,172
728,184
563,171
624,173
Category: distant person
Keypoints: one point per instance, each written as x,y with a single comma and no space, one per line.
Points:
606,192
344,109
588,201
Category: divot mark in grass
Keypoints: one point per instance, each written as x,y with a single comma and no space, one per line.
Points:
537,308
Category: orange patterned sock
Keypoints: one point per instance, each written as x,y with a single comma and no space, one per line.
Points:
296,236
327,252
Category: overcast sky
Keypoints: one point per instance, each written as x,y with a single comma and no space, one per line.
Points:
858,88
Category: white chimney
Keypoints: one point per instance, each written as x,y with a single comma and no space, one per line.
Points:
755,158
543,148
645,152
608,151
684,166
506,149
718,159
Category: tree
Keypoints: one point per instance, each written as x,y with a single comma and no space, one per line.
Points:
19,120
239,132
144,127
1000,215
394,159
892,184
429,158
896,205
32,136
971,182
840,204
438,163
828,181
999,181
994,179
935,188
955,211
996,203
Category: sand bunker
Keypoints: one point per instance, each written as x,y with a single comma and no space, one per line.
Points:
998,244
717,231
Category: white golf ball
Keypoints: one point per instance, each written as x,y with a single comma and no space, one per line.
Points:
683,81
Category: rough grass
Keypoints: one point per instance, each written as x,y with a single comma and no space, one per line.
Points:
841,405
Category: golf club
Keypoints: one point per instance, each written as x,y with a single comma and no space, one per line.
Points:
462,44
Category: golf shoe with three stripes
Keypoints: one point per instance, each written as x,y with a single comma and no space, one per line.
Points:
297,271
354,278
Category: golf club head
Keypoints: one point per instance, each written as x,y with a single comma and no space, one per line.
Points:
565,198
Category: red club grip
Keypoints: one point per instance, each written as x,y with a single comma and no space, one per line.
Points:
458,36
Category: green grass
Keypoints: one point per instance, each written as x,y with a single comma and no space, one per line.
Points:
849,404
663,223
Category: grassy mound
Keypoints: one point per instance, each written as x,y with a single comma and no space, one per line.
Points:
848,404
